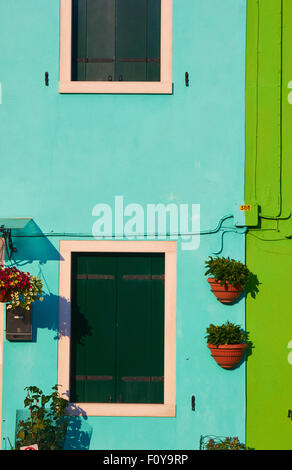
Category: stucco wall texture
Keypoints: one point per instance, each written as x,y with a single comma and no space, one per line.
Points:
63,154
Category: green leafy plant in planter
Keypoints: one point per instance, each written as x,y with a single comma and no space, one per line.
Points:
228,333
228,270
47,422
227,343
229,443
229,278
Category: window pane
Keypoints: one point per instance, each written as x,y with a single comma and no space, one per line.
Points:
116,40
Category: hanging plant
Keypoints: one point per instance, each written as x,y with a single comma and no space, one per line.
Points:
229,278
227,344
18,288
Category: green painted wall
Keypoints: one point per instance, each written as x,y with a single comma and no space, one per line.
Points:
269,251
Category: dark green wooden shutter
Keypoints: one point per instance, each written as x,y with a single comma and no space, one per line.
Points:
140,329
118,353
153,40
93,45
116,40
79,28
93,329
131,33
100,39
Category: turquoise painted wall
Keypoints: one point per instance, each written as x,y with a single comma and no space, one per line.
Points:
62,154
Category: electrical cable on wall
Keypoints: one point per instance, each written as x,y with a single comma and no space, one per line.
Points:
217,229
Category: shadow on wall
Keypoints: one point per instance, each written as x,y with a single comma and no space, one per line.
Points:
79,432
33,245
46,316
253,284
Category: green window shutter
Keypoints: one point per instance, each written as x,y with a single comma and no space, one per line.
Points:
153,40
100,39
131,39
116,40
140,332
157,329
79,27
117,328
93,45
93,323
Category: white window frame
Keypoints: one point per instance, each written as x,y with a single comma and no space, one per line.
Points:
66,85
168,407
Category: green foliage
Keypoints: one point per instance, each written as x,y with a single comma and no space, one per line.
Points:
47,423
228,333
228,270
229,443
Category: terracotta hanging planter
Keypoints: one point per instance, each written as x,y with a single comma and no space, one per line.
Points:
227,355
227,294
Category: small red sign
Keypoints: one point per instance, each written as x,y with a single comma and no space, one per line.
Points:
32,447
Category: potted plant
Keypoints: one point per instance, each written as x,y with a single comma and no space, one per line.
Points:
228,443
227,344
229,278
18,288
47,423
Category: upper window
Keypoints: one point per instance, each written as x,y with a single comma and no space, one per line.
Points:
115,46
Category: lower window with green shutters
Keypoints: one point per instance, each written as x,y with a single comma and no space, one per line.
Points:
117,328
